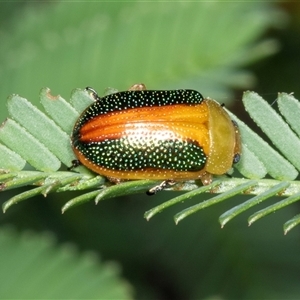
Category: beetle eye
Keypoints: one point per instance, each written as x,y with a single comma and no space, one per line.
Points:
236,158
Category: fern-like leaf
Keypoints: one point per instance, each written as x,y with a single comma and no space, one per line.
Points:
34,267
31,136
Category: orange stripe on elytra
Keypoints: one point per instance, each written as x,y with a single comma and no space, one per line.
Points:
175,120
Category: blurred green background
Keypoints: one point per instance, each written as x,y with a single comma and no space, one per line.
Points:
218,48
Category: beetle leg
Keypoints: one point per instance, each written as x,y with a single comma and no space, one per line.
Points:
206,178
75,164
160,187
115,180
137,87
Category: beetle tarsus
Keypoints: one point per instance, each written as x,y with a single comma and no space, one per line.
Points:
160,187
137,87
75,164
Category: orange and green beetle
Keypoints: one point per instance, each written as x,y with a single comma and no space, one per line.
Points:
169,135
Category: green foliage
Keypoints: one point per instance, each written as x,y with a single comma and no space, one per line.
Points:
33,268
28,126
207,46
202,57
162,44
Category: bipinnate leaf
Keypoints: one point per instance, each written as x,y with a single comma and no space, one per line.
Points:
31,140
35,267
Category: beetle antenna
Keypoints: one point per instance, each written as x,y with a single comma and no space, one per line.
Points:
93,93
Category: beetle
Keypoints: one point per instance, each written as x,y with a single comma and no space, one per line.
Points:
169,135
